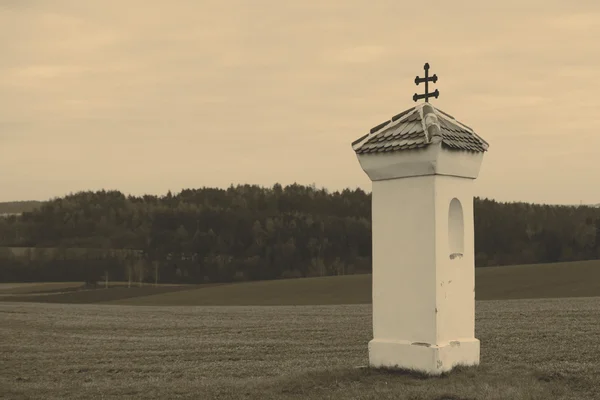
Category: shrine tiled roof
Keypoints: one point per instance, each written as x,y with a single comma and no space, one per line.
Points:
412,129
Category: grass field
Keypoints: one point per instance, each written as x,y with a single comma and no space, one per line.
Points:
74,293
37,287
531,349
575,279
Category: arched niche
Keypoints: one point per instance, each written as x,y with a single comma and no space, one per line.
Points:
456,229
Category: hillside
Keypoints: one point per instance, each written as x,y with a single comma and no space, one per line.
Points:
575,279
578,279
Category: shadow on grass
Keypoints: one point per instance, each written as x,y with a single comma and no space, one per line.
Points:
462,383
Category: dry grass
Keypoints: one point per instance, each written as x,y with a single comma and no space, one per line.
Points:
534,281
531,349
330,290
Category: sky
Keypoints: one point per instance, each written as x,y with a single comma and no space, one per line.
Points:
150,96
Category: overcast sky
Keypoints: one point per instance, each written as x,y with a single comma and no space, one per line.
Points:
147,96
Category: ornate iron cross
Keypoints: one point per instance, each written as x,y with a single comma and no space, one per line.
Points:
427,79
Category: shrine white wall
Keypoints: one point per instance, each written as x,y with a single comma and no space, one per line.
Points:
423,273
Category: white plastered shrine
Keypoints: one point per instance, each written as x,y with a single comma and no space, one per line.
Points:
422,164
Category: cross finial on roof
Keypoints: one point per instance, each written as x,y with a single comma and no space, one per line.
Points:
427,79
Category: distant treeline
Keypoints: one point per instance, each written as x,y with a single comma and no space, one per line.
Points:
250,232
17,207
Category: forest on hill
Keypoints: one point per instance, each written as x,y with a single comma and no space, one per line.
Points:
248,232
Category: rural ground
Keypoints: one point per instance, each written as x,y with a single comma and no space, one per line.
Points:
571,279
544,348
